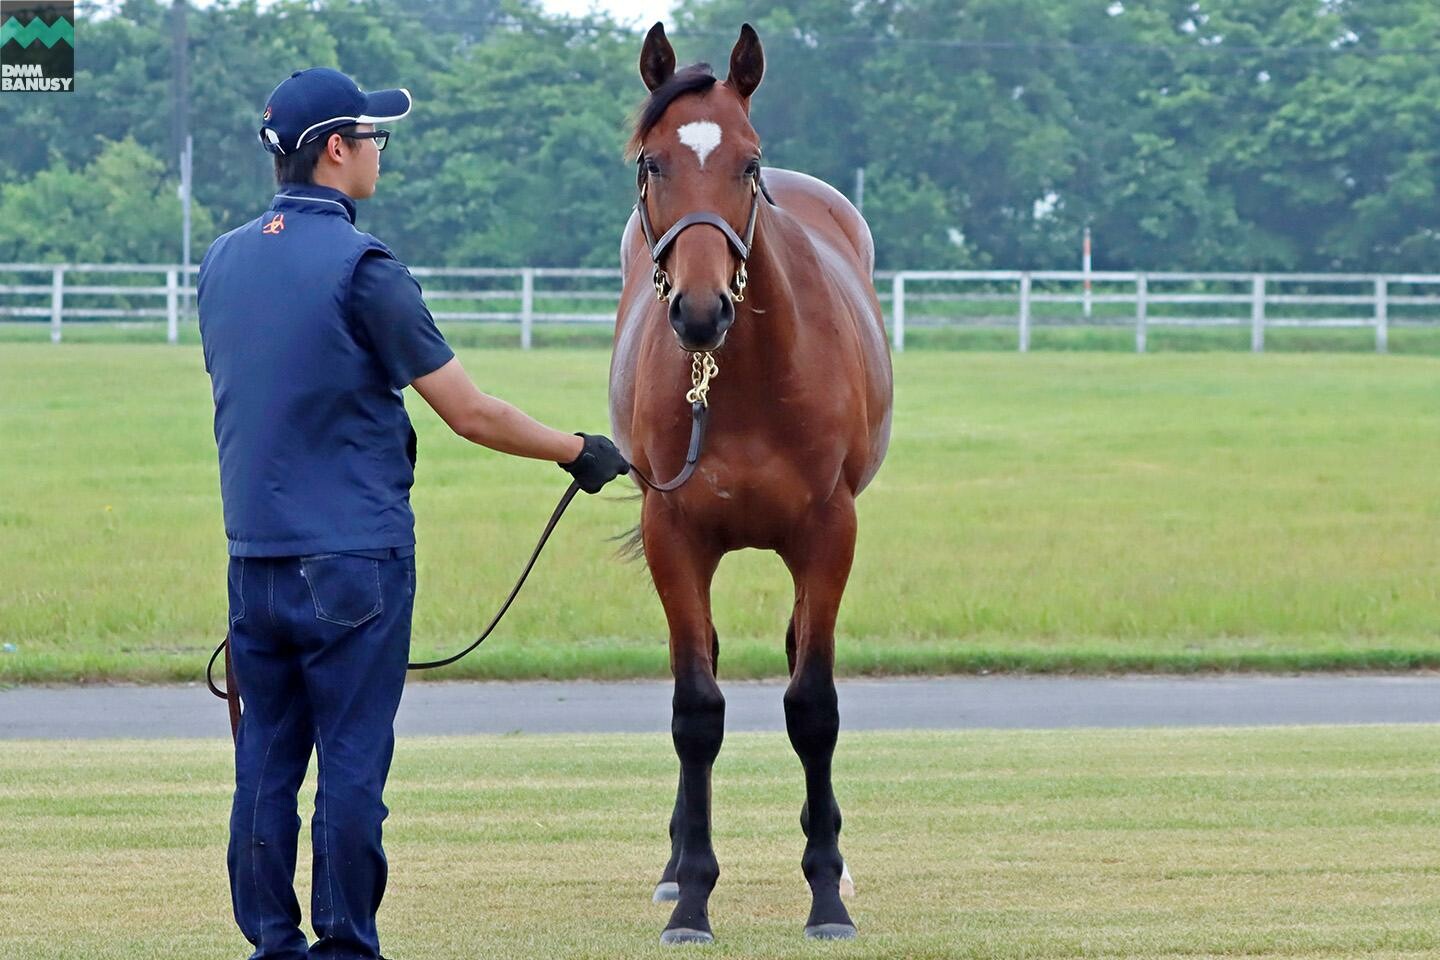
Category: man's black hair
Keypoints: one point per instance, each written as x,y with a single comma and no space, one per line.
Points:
298,166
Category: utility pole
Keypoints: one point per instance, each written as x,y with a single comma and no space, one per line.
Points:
180,70
181,142
187,157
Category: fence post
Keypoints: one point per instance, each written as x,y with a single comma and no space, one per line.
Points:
57,302
897,313
172,306
1382,315
1257,315
527,306
1025,312
1142,309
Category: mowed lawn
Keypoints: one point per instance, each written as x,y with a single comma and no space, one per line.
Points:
1044,512
1299,842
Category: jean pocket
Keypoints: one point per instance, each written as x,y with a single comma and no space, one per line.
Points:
345,589
235,587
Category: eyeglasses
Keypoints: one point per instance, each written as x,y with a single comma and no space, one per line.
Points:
381,137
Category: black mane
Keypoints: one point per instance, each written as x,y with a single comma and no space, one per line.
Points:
695,78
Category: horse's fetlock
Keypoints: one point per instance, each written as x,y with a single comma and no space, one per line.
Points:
699,872
822,864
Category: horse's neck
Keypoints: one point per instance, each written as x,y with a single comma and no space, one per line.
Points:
771,311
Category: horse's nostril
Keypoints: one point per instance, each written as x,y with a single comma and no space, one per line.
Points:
727,312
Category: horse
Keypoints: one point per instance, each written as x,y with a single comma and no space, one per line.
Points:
768,271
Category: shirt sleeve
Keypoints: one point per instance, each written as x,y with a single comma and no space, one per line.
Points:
389,313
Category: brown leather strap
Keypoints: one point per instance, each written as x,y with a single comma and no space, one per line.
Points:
232,694
742,249
741,245
699,412
555,516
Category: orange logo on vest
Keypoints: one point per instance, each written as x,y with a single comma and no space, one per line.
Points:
274,226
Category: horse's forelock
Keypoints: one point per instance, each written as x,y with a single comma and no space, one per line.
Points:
696,78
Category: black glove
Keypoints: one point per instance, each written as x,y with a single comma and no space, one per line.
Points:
599,463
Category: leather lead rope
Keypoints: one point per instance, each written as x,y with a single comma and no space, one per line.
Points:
698,413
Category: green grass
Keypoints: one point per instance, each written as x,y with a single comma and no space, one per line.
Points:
1298,843
1050,512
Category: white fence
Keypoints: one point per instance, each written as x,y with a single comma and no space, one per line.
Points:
1021,301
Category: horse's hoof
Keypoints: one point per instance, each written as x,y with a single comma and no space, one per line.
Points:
688,935
666,891
830,931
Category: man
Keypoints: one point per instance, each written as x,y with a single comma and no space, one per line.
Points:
311,329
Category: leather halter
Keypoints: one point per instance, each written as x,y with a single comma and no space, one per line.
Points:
742,245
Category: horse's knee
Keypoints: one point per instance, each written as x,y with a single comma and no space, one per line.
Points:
698,718
812,713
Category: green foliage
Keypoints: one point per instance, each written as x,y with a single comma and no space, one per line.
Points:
1230,134
120,207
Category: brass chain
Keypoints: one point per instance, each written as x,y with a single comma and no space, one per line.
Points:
702,370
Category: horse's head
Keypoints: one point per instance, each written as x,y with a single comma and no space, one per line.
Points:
698,166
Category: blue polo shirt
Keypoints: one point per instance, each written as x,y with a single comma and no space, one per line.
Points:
311,329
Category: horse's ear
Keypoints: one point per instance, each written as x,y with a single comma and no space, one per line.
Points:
747,63
657,57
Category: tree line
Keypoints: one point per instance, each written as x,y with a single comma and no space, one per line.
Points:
1186,134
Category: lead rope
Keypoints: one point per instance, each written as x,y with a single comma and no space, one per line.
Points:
703,369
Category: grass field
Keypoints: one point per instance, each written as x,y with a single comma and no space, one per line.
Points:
1296,843
1044,512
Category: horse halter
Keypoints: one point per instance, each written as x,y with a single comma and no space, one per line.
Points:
741,245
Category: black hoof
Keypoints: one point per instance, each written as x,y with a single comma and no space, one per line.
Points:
666,891
687,935
830,931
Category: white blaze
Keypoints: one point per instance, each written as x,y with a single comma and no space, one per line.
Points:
703,136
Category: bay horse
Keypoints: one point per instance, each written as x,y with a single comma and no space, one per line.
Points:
775,267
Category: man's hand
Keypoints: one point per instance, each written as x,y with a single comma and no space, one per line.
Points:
599,463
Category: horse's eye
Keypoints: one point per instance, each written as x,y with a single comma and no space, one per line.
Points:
651,167
753,170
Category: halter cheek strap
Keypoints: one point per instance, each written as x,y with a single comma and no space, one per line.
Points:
741,245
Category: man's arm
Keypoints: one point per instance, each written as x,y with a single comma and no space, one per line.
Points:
489,421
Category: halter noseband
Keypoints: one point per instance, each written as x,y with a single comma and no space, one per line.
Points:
741,245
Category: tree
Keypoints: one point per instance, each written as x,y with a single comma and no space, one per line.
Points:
122,206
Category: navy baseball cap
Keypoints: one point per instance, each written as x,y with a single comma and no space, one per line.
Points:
311,103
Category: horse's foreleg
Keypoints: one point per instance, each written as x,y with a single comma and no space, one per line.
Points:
819,560
668,889
682,570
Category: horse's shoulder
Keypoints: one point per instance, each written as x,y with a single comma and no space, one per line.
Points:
822,207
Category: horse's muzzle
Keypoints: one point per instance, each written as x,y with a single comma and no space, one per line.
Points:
701,321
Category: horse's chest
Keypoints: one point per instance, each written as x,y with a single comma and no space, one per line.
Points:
754,500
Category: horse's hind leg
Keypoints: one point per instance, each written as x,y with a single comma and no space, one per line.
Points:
668,889
682,570
820,562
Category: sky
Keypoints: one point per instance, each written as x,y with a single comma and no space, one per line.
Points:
629,12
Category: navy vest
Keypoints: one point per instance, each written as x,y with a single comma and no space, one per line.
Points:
316,450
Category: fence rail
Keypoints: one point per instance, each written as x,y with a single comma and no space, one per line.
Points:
1024,301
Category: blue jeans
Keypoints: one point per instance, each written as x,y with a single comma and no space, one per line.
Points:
319,646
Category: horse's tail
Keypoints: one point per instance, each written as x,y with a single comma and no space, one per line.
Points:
632,545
